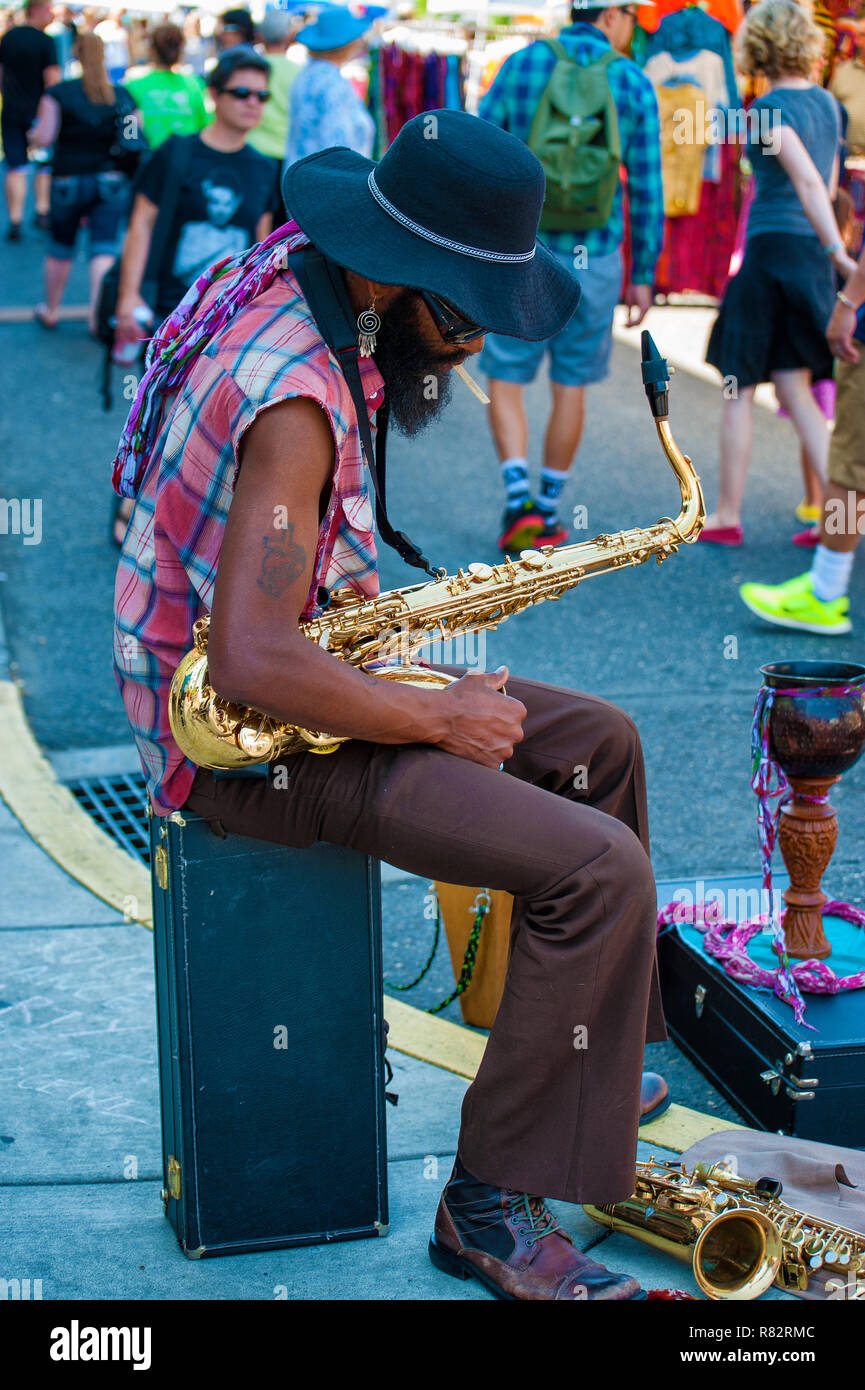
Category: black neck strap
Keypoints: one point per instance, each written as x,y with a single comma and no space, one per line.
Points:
325,293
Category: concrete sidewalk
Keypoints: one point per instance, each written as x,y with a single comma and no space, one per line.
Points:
80,1154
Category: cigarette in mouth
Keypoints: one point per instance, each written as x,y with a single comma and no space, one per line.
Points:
471,384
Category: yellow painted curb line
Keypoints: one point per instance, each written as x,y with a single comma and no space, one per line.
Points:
430,1039
680,1127
54,819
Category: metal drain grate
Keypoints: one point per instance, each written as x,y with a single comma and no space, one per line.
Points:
118,805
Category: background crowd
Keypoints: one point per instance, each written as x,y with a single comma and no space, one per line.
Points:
156,143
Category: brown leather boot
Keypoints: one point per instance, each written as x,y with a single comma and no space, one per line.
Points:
512,1243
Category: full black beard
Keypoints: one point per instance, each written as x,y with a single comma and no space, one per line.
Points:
416,386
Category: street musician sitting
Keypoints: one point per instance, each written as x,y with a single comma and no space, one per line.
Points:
244,455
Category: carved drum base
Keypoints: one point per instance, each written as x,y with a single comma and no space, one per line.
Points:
807,835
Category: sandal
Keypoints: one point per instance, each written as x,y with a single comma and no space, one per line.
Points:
40,314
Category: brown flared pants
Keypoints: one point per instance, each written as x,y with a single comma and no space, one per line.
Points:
554,1108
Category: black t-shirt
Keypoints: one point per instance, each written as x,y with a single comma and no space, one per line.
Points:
25,53
87,128
219,204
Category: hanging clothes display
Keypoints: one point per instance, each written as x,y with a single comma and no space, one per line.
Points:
727,12
696,254
838,20
691,32
681,161
689,62
412,71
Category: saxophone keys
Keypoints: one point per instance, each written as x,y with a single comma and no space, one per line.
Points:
532,559
814,1250
478,572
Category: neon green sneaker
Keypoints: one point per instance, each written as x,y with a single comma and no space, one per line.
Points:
795,605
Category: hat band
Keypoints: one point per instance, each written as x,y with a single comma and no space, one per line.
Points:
459,246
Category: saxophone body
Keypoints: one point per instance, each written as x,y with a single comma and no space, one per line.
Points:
365,632
738,1235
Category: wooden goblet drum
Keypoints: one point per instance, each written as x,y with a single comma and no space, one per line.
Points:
814,737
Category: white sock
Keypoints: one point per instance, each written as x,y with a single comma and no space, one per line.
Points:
515,474
830,573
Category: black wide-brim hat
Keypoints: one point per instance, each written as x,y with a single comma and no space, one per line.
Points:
451,208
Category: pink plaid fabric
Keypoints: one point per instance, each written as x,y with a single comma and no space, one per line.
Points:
269,351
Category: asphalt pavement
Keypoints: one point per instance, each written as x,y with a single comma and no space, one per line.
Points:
671,645
674,645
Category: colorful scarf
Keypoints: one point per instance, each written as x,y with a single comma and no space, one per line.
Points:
180,339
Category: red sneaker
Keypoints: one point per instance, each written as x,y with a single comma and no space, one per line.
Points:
554,533
520,526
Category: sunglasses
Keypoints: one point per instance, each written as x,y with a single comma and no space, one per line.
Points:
244,93
451,325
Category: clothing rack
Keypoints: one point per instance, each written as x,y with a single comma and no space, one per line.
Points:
469,37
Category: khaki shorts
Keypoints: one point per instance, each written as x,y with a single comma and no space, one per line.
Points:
847,450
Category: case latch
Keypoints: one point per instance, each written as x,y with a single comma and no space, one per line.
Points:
793,1085
160,866
173,1178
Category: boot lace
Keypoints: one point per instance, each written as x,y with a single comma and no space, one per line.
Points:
541,1222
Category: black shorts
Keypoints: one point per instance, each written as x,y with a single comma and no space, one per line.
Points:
774,313
13,130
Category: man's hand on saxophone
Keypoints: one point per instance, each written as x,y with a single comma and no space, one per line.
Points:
256,654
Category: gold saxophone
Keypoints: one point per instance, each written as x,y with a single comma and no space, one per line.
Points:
738,1234
217,733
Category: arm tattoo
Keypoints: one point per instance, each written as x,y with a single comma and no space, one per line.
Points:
281,564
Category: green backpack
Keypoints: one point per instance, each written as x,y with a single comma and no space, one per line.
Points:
575,135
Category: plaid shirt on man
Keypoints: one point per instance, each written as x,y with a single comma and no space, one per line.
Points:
512,103
270,351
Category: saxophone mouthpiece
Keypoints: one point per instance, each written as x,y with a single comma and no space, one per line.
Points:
656,376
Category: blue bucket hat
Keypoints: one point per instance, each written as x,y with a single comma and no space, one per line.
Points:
334,28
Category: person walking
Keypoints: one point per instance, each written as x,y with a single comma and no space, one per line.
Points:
589,245
79,118
817,600
224,203
28,65
276,31
170,102
325,110
234,27
225,199
772,319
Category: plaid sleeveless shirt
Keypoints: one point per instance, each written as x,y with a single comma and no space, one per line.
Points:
270,351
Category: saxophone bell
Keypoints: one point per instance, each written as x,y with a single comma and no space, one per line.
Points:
737,1256
735,1251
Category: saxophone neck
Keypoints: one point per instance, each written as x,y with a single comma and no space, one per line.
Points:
692,516
656,380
